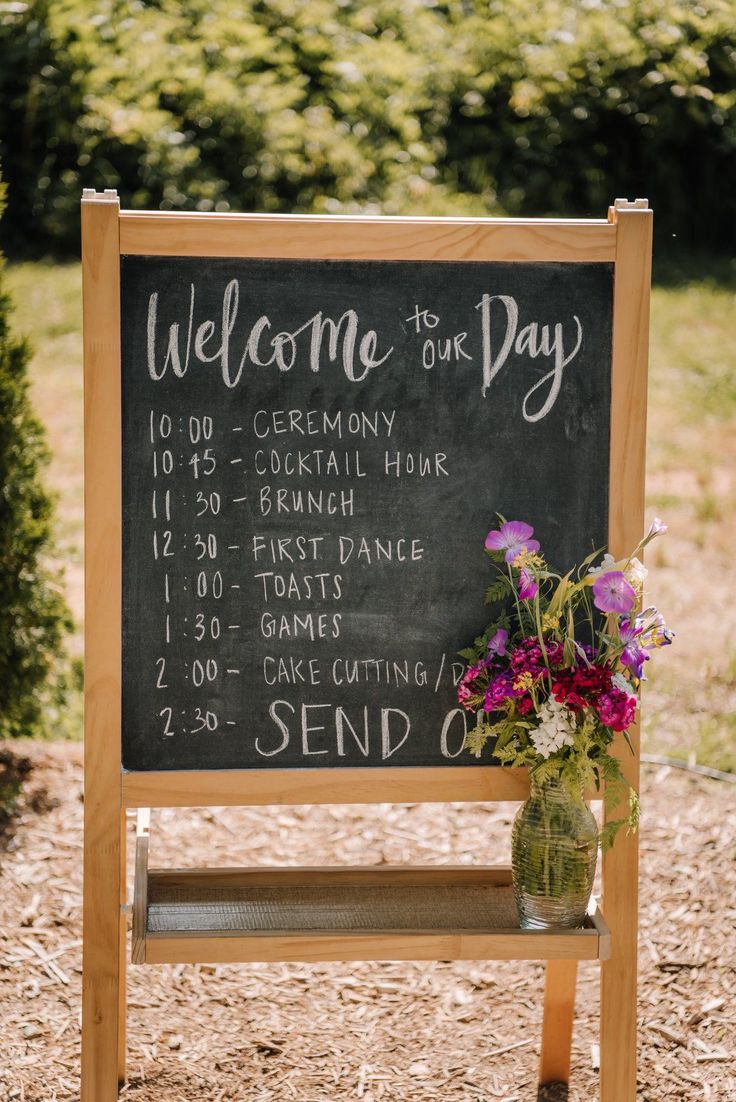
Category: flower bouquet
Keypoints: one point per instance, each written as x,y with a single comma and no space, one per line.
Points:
552,679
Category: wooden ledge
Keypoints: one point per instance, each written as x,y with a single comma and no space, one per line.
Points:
258,787
343,914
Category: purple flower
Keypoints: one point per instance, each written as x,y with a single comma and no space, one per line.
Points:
497,645
528,588
473,671
499,691
513,537
633,657
658,634
631,629
526,657
634,654
612,593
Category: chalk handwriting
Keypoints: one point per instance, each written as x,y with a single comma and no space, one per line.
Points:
532,341
261,348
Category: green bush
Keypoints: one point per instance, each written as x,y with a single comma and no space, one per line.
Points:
565,106
34,671
207,105
539,106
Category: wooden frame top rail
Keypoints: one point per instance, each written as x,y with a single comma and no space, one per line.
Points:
316,237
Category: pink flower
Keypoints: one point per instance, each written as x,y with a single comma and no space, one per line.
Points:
527,657
528,588
497,644
617,709
513,537
612,593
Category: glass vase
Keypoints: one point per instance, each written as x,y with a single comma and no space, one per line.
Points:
554,847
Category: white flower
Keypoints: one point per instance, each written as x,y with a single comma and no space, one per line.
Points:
621,683
657,528
608,563
556,728
636,573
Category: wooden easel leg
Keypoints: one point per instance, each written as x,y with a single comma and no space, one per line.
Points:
618,975
559,1010
633,223
103,821
123,956
101,959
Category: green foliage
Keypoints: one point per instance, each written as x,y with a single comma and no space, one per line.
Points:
339,105
217,105
33,616
562,106
475,740
14,772
498,590
609,830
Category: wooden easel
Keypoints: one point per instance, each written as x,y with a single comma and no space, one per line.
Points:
107,233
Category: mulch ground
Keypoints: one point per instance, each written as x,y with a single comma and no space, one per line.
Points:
414,1032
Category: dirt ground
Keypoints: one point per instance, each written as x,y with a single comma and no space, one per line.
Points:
414,1032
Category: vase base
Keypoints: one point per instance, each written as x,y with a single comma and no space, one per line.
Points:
540,913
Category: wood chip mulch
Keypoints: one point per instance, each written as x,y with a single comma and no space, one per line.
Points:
392,1032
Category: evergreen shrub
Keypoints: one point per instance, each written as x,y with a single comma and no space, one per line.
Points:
35,673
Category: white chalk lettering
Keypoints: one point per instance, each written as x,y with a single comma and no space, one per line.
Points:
341,722
445,733
531,341
308,728
389,748
343,339
272,714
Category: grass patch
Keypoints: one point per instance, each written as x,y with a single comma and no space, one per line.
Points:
47,300
691,350
664,501
717,742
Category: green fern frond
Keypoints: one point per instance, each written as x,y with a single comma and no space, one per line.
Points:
498,590
476,739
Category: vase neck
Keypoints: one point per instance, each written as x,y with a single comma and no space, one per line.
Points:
553,789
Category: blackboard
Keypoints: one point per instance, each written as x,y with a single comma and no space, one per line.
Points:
312,455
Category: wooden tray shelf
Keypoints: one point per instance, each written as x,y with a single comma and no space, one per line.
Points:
342,914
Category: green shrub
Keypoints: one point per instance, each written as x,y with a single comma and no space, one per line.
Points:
34,619
565,106
218,105
467,106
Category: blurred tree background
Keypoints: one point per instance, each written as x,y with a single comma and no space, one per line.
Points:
418,107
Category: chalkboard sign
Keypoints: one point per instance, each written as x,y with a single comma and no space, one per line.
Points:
312,455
